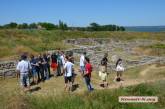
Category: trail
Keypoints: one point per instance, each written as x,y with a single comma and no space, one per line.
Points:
144,72
131,82
55,86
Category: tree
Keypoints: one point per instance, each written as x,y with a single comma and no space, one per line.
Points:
94,26
118,28
122,28
23,26
62,25
11,25
114,28
33,26
48,26
1,27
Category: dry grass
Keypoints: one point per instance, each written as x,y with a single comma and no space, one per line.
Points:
42,40
52,91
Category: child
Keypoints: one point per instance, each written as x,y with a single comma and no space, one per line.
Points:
103,76
103,71
87,74
119,69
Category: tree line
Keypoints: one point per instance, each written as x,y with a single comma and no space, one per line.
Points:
62,26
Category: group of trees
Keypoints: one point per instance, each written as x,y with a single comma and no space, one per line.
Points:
40,25
97,27
62,26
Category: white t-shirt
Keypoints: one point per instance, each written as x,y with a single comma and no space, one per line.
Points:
82,59
69,69
63,60
23,66
120,67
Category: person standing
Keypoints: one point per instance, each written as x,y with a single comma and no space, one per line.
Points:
48,64
71,58
103,71
41,66
24,68
68,68
38,69
82,63
33,63
45,65
59,62
62,61
54,63
119,70
87,74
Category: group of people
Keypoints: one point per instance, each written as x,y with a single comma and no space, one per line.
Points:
103,71
38,68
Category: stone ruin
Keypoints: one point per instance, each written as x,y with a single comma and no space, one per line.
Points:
7,69
95,49
98,46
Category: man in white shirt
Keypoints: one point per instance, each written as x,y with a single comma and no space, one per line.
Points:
82,62
23,68
62,61
68,68
62,58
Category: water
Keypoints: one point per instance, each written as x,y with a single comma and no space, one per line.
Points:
145,28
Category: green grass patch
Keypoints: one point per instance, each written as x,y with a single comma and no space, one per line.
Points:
102,99
161,46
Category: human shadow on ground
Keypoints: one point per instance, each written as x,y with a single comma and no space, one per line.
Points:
35,89
74,87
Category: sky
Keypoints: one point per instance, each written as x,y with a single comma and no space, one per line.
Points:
84,12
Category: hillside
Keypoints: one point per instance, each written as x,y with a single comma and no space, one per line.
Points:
14,42
142,53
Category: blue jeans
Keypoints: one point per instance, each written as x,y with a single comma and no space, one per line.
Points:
58,69
88,83
24,79
46,72
82,68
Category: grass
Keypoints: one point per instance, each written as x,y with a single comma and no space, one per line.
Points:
101,99
41,40
118,50
14,42
52,96
162,46
157,49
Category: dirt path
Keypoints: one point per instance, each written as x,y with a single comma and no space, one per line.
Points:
56,85
144,72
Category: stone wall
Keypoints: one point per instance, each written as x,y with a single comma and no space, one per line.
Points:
95,50
88,40
8,68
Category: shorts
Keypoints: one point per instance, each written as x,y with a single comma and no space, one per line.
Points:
103,76
68,79
24,79
34,72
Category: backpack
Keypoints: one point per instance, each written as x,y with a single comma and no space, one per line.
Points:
103,62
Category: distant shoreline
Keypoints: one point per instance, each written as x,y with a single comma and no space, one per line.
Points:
145,28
